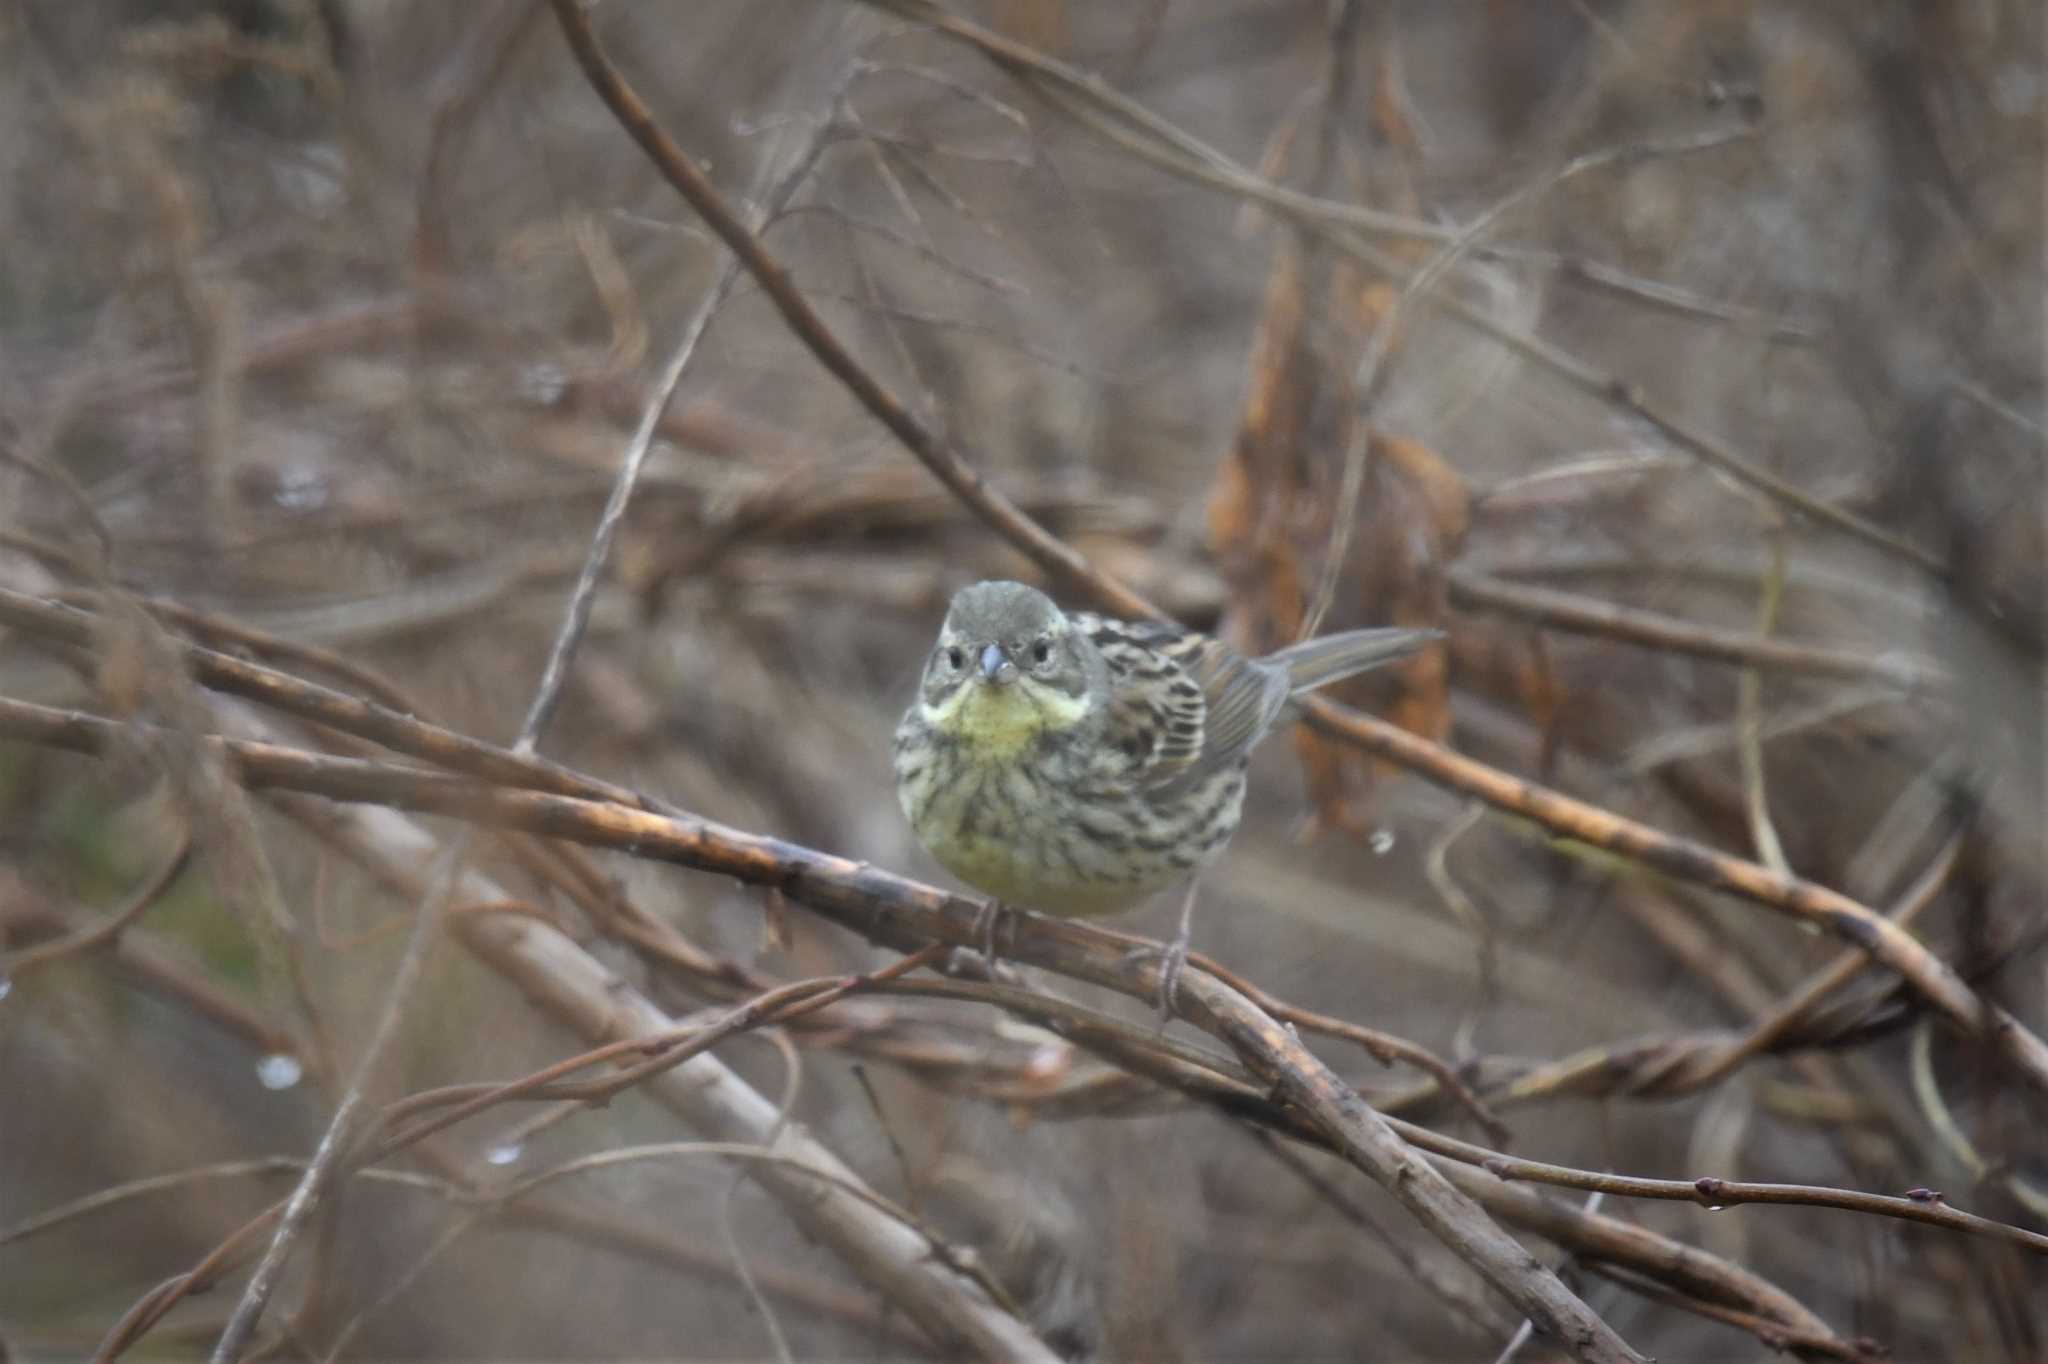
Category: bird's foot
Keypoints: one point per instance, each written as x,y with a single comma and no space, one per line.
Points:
1172,957
986,926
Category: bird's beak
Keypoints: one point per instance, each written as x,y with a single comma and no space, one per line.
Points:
996,666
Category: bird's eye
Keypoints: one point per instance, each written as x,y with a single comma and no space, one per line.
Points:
955,659
1041,650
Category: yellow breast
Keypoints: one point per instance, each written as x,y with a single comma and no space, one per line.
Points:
995,724
1002,824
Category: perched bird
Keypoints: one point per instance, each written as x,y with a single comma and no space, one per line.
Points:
1074,764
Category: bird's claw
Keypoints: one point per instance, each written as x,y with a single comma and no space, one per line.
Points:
986,924
1173,964
1172,957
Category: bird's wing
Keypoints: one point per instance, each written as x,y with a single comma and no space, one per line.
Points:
1182,705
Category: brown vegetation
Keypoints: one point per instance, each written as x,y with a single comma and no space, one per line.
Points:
476,483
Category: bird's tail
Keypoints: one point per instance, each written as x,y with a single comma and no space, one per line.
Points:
1329,658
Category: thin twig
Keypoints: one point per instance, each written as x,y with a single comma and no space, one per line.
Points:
553,678
108,929
1375,368
1364,1138
328,1155
1653,630
1749,706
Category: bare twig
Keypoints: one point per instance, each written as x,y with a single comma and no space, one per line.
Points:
1749,706
1652,630
1365,1139
1378,362
325,1165
108,929
1711,1192
555,675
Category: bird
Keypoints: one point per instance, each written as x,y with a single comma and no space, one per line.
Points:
1077,765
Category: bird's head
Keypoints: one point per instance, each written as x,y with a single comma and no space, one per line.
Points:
1008,667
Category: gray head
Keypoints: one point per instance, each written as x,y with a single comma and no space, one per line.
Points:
1004,635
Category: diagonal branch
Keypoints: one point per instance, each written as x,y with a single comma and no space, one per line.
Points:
1365,1139
774,280
1855,923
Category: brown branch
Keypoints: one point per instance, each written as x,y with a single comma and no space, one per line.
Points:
1714,1193
1653,630
1364,1138
1805,901
108,929
562,980
966,483
1207,1079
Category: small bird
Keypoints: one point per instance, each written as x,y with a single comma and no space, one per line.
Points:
1074,764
